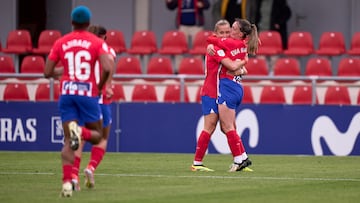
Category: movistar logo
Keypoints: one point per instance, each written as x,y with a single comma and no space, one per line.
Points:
340,144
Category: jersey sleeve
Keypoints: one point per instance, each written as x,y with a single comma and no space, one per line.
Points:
54,52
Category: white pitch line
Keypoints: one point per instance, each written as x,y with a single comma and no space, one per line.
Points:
194,176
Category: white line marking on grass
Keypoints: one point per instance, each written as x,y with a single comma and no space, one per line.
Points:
181,176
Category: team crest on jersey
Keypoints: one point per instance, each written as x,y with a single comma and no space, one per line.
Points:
220,52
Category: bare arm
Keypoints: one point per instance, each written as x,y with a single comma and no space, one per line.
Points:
233,65
107,64
50,69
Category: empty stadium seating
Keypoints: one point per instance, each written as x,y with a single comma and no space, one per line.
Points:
115,39
16,92
272,94
331,44
318,66
355,45
143,42
337,95
6,64
303,95
159,65
128,65
173,92
173,43
144,93
18,42
271,43
42,92
199,44
300,44
46,40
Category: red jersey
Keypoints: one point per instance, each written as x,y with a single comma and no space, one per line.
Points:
234,49
78,51
104,99
213,66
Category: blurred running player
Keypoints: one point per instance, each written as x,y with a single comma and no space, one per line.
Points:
98,150
78,51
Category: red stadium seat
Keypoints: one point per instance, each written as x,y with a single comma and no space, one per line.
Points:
271,43
46,40
191,66
349,67
16,92
32,64
18,42
337,95
172,93
6,64
159,65
331,44
272,95
300,44
42,92
143,42
355,45
286,67
303,95
119,94
144,93
248,95
199,44
257,67
358,98
115,39
318,66
128,65
173,43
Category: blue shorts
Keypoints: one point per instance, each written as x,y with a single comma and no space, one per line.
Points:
106,113
209,105
230,93
81,108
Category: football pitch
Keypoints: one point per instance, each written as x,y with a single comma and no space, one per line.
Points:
155,177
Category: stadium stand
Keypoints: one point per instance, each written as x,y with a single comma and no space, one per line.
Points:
18,42
173,43
144,93
331,44
271,43
199,44
115,39
46,40
143,42
337,95
16,92
303,95
42,92
300,44
7,64
128,65
318,66
172,93
272,94
159,65
355,45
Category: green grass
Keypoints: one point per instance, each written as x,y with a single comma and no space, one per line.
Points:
148,177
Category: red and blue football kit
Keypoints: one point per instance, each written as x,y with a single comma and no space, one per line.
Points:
78,51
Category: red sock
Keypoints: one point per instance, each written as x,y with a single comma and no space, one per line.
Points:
66,173
202,145
234,142
97,154
86,134
76,166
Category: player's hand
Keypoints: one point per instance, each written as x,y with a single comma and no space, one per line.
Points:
210,50
109,92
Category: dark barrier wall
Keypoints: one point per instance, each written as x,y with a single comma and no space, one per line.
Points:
173,128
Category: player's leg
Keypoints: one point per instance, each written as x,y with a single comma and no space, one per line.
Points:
98,151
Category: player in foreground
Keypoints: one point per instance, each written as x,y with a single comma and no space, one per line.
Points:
98,150
244,40
78,51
